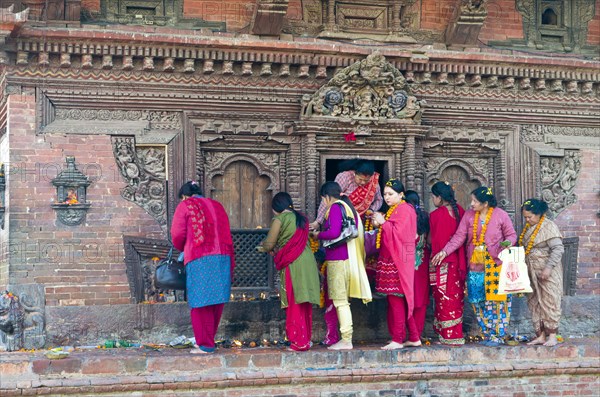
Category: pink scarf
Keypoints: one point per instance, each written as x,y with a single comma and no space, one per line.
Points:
292,249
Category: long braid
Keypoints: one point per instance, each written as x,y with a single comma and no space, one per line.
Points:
455,210
445,191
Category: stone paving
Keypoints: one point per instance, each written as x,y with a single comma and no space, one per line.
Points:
571,368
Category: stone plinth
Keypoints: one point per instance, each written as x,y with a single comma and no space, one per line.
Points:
472,370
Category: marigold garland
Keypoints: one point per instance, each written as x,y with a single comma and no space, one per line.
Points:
387,216
478,253
533,235
314,244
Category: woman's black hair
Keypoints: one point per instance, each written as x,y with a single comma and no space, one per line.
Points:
484,194
446,193
412,198
283,201
360,166
396,185
189,189
535,206
333,189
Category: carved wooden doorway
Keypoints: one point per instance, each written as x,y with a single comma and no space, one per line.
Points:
243,193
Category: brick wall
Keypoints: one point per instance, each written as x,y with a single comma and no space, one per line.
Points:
581,219
593,37
78,265
435,14
502,23
92,5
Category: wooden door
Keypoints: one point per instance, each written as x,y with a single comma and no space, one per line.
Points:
461,182
243,193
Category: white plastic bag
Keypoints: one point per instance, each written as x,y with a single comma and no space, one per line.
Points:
514,278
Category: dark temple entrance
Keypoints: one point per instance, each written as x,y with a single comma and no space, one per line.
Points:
335,166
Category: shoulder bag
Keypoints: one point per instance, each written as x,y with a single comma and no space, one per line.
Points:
349,231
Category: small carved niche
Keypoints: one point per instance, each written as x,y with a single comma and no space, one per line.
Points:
71,191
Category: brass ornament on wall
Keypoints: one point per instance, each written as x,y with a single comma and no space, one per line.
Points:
71,191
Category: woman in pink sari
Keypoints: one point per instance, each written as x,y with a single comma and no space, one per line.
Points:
396,265
300,288
448,278
200,229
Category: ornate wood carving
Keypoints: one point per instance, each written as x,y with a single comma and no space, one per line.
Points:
559,176
369,91
144,171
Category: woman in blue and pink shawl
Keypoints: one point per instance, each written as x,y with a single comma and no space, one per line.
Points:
200,229
300,288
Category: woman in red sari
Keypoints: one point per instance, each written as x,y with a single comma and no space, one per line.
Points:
448,278
395,270
300,288
421,284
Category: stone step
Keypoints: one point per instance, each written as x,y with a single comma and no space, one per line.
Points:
125,371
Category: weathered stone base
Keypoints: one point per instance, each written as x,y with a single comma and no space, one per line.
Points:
160,323
571,368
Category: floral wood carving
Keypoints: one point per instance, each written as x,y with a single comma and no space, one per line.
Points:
144,171
369,91
559,176
156,119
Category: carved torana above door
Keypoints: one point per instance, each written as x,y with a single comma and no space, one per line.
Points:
370,91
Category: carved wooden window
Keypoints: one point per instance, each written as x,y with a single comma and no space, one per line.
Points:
243,193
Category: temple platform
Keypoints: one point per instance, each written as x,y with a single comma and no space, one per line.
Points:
570,369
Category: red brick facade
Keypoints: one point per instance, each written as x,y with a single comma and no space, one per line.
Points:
583,219
502,23
81,265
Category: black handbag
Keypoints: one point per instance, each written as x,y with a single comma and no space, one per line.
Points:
349,231
170,274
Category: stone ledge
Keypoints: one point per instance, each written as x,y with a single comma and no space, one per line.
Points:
103,371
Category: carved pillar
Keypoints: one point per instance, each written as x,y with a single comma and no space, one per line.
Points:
311,167
396,16
409,164
330,25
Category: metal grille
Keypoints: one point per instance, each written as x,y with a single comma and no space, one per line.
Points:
254,271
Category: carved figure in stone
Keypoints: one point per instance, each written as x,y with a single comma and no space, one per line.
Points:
11,322
21,322
540,84
559,177
367,91
365,105
525,83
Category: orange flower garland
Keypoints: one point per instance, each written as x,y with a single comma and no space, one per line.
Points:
479,243
314,244
533,235
387,216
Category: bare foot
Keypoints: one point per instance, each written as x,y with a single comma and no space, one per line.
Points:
412,344
552,340
196,350
341,345
393,346
540,340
